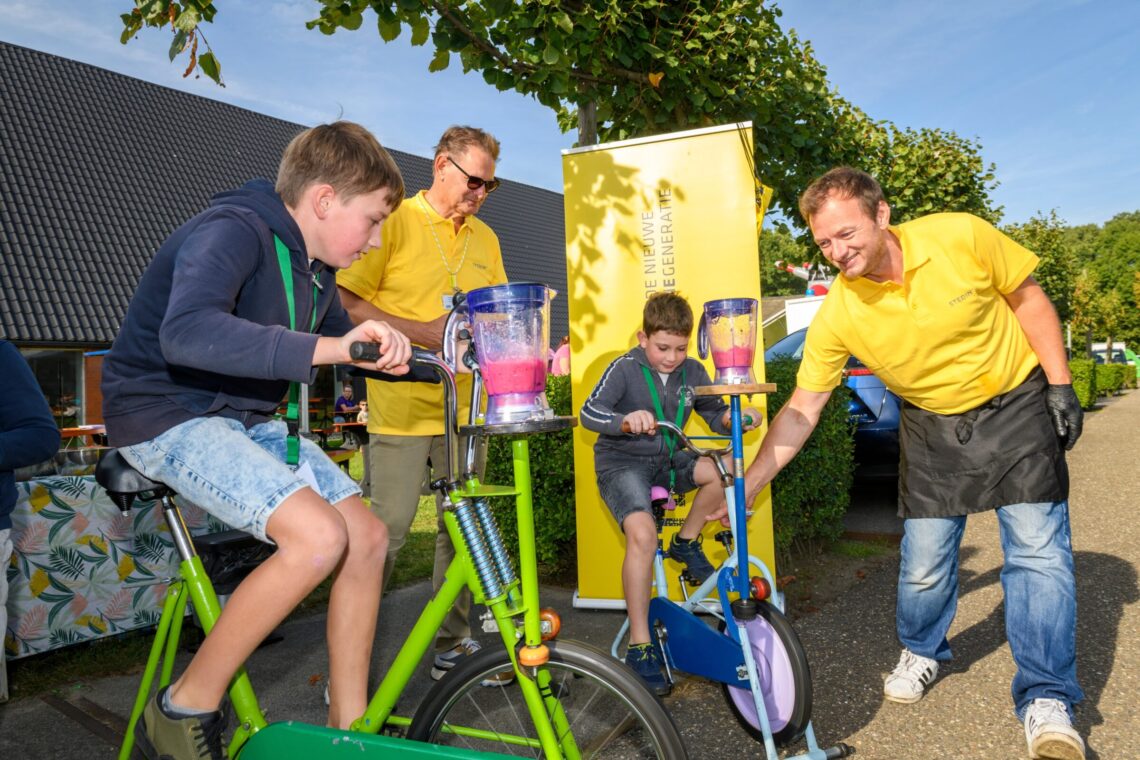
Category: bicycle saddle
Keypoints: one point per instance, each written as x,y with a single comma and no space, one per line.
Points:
124,483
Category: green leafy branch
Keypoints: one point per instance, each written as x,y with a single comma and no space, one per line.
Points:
184,19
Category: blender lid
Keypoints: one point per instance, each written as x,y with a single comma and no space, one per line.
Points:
730,304
535,292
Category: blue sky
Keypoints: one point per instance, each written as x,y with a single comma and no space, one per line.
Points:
1050,87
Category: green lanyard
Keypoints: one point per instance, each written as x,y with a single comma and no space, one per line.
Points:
293,441
670,439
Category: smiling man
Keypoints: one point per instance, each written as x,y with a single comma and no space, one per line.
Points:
945,311
433,246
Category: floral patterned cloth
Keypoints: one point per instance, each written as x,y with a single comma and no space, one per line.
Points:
81,569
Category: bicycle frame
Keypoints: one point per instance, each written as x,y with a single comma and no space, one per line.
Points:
193,584
519,597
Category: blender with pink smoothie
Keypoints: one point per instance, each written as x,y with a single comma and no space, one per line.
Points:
728,332
510,327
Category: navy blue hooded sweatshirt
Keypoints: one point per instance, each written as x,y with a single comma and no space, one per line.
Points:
28,433
207,331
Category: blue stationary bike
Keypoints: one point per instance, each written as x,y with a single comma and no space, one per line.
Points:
754,653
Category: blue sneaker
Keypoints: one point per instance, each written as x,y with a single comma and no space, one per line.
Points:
690,554
644,660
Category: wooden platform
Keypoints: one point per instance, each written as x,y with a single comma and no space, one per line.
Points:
739,389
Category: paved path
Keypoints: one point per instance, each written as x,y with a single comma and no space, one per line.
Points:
850,643
968,712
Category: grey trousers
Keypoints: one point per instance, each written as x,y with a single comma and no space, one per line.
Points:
398,465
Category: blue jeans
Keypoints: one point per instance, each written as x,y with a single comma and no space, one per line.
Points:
1037,580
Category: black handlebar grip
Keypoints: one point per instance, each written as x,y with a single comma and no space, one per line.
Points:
360,351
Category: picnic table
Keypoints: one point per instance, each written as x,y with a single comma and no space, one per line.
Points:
96,434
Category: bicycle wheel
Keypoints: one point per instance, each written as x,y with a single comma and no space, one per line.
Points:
610,712
785,679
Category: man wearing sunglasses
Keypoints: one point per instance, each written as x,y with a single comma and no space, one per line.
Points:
431,247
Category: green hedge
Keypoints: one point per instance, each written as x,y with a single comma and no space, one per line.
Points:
1084,381
552,483
1110,378
811,494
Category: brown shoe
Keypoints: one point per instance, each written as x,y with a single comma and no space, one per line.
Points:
197,737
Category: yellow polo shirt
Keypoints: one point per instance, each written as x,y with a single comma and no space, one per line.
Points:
408,276
945,340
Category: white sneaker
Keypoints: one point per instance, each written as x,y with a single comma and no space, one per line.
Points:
909,679
445,661
1049,732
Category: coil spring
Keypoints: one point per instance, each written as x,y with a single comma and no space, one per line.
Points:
494,539
477,546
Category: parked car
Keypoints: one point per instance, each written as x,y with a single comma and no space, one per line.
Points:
873,410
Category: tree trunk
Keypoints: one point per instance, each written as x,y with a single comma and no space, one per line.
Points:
587,123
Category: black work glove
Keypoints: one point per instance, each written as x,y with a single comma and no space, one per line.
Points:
1061,401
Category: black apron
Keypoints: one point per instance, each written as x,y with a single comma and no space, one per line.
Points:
1004,451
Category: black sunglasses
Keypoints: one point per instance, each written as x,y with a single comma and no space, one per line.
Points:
474,183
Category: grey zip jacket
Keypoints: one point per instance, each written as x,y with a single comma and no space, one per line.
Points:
622,389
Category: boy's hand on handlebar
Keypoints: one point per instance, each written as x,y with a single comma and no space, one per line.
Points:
639,422
395,348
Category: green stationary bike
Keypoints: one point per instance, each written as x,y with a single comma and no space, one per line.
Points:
568,701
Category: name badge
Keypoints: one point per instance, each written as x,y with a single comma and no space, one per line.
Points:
448,301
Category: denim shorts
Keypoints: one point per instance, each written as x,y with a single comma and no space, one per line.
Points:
625,489
236,474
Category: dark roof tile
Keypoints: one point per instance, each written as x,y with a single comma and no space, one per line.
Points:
97,169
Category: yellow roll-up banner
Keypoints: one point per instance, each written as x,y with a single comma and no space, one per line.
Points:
678,212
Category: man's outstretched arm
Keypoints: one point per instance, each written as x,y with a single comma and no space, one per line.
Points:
786,436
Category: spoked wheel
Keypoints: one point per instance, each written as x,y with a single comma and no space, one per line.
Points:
611,714
785,679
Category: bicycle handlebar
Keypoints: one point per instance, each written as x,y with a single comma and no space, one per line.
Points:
419,369
686,443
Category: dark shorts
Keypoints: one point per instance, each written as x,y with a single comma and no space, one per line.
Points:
625,488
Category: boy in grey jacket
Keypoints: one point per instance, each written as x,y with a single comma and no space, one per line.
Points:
650,382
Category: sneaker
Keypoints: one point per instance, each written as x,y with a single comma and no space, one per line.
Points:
690,554
909,679
447,660
1049,732
645,661
197,736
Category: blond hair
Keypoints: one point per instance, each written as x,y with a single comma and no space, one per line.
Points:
457,139
344,155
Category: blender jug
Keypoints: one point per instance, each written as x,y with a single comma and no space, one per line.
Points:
510,327
728,330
